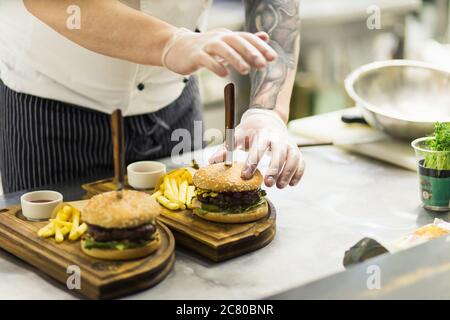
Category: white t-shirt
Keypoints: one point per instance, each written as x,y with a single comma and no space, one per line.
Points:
36,60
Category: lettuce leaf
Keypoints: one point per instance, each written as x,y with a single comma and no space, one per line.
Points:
90,243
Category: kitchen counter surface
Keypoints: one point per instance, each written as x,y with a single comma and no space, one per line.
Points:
342,198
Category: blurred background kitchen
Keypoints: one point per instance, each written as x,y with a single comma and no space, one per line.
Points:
335,40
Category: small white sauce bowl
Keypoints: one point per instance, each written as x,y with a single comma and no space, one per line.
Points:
144,175
35,210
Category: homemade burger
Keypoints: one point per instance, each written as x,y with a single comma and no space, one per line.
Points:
223,196
120,229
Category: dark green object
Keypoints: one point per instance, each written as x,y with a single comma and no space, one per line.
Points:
434,188
365,249
115,245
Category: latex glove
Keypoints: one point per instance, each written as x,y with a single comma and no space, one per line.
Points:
188,51
261,132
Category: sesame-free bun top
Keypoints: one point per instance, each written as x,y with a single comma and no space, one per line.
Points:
132,210
221,178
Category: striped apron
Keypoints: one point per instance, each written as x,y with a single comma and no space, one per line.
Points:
45,142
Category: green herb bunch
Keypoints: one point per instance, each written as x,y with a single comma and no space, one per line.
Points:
441,142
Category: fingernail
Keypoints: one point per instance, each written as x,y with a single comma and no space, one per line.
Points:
245,173
282,184
293,183
260,62
270,180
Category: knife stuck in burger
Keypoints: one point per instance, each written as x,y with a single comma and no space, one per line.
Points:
223,196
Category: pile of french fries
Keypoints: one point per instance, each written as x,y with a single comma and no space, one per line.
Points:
66,222
176,190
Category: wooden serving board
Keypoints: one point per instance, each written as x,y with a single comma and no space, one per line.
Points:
104,185
219,241
100,279
215,241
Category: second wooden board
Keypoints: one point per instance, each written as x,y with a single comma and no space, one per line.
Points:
215,241
219,241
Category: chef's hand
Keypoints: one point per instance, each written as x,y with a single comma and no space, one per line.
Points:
262,130
188,51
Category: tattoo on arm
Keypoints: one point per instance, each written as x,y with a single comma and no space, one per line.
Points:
280,19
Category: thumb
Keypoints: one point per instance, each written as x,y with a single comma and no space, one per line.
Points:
219,155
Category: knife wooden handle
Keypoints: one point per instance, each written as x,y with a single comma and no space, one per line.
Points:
118,139
229,122
229,106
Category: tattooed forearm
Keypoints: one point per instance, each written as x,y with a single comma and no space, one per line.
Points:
280,19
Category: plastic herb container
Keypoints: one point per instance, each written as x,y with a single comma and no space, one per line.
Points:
434,175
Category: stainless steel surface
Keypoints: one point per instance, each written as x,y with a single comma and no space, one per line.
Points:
401,97
341,199
422,272
229,97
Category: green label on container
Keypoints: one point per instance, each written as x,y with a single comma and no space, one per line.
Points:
435,191
434,187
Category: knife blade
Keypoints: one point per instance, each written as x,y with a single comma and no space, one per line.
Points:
118,138
229,98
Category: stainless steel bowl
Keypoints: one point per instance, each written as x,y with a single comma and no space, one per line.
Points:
401,97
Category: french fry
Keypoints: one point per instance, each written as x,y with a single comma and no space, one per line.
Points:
189,196
65,213
170,197
58,234
61,224
166,203
177,173
156,194
81,230
65,230
173,184
176,189
188,177
167,185
47,231
68,211
183,191
75,224
66,223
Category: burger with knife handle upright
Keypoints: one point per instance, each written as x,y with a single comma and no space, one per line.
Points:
223,196
121,228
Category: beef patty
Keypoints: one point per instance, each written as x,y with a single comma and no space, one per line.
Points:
141,233
233,199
